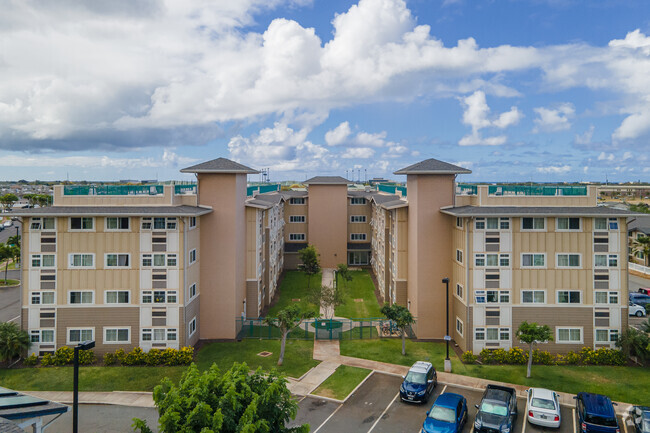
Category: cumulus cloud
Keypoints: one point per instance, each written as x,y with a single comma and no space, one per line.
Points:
358,152
585,137
338,135
605,157
553,119
554,169
477,115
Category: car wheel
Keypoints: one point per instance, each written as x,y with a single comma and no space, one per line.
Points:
638,314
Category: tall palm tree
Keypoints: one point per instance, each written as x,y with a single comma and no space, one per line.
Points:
5,254
14,240
13,341
642,245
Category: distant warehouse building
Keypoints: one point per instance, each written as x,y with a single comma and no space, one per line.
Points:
167,265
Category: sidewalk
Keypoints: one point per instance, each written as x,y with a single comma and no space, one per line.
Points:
120,398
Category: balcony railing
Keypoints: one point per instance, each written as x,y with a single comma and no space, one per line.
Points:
537,190
113,190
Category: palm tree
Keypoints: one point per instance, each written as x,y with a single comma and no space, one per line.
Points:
14,240
642,245
5,254
13,341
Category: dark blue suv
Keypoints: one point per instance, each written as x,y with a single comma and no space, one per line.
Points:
418,384
596,413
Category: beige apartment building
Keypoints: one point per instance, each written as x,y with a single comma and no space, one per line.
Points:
168,265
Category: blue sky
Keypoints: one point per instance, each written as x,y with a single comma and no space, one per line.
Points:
515,90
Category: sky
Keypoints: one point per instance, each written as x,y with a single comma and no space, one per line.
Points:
514,90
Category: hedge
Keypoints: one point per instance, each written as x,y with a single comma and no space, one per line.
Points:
65,355
516,355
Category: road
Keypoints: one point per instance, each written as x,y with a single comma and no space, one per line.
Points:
9,231
635,283
105,419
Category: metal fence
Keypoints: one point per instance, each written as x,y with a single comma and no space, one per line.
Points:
324,329
545,190
112,190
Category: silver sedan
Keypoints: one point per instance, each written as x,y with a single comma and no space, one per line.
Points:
543,407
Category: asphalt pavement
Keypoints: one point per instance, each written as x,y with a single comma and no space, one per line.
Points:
7,232
100,418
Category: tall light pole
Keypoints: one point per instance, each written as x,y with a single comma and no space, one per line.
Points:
447,336
84,345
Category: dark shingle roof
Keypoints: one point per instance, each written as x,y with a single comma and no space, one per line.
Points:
640,223
394,204
433,166
179,211
384,198
327,180
270,197
596,211
219,165
292,193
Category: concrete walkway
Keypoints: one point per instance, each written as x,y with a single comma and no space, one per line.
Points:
121,398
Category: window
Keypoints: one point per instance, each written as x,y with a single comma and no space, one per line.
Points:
567,223
497,296
48,223
504,223
171,260
117,335
81,297
459,326
479,260
192,291
459,256
357,236
81,223
159,260
613,224
357,200
79,335
504,260
533,297
569,335
459,222
43,260
532,224
82,260
600,223
459,291
532,260
192,326
606,335
492,223
117,296
159,296
479,224
492,334
42,336
297,219
605,297
492,260
569,297
158,223
605,260
42,298
504,334
296,236
192,221
297,200
117,260
479,334
568,260
192,256
117,223
480,297
146,224
158,334
357,218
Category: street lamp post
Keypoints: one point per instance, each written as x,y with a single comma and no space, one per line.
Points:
447,336
84,345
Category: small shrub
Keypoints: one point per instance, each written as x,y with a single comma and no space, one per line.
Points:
487,356
516,355
110,359
153,357
186,355
47,360
572,358
31,360
63,355
135,357
120,355
87,357
469,358
543,357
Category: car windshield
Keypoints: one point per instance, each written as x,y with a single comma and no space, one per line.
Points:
646,425
442,414
542,403
600,420
415,377
494,408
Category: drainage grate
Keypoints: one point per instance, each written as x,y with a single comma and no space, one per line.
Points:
265,354
358,300
295,300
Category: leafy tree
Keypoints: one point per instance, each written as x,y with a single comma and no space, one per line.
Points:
13,341
327,298
343,271
6,253
14,240
531,334
642,245
43,200
286,321
31,198
641,207
634,343
402,318
235,401
8,200
310,262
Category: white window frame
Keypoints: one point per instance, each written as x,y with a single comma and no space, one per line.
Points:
38,333
192,288
557,334
613,221
480,297
477,331
297,200
39,294
358,218
504,221
557,260
459,256
533,260
74,342
152,295
612,335
297,236
357,201
462,291
39,257
499,293
192,326
152,332
81,292
459,326
114,328
117,292
533,229
71,261
192,257
38,224
118,224
477,221
568,222
608,258
191,222
459,222
484,257
128,258
600,219
557,297
82,223
521,297
297,219
609,294
360,236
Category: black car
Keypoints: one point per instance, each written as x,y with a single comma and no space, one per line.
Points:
596,413
497,411
641,417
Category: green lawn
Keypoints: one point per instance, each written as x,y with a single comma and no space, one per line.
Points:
297,361
342,382
294,286
361,287
627,384
8,281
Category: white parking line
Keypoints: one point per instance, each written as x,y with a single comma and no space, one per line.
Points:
525,417
624,423
573,411
443,389
328,418
383,413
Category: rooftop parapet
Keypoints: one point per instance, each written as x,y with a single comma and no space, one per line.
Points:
125,195
525,195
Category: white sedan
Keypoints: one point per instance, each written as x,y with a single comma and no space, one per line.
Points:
543,407
636,310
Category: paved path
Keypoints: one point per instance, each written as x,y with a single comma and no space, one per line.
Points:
122,398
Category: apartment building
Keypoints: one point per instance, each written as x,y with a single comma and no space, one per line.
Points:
167,265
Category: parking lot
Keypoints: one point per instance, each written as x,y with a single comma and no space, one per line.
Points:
375,407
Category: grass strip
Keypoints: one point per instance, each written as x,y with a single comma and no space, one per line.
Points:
342,382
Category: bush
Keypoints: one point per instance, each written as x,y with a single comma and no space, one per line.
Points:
154,357
110,359
63,355
586,356
46,361
543,357
572,358
134,357
31,360
87,357
469,358
516,355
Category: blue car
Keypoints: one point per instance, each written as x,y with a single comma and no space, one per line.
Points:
596,413
419,383
447,415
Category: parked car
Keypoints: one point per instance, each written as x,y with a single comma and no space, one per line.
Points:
8,223
497,411
640,299
543,407
447,415
645,291
596,413
640,415
636,310
418,383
